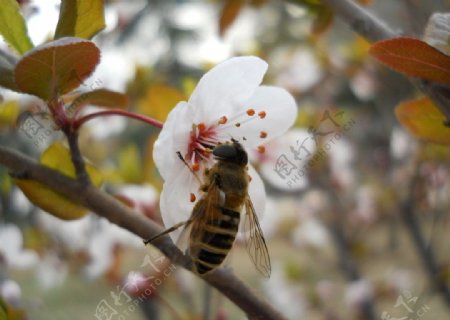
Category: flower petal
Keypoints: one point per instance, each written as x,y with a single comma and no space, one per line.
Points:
226,87
175,199
280,113
173,137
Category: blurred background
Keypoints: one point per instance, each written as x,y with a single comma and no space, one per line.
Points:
357,216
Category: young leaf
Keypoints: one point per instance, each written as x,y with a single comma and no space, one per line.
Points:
229,13
13,27
57,157
100,98
80,18
424,120
57,67
414,58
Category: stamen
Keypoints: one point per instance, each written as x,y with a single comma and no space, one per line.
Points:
262,114
263,134
223,120
195,167
237,124
251,112
192,197
201,126
261,149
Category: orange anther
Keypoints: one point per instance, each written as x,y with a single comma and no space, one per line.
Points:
251,112
195,167
262,114
261,149
262,134
201,126
223,120
192,198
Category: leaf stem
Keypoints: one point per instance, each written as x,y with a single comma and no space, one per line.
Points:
117,112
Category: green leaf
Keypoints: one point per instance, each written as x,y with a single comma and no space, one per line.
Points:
80,18
57,157
57,67
13,27
413,57
424,120
100,98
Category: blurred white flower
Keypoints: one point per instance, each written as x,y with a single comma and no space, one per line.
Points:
358,292
366,205
437,32
289,298
11,248
299,70
399,279
342,155
102,243
227,103
402,145
52,271
363,84
10,292
311,233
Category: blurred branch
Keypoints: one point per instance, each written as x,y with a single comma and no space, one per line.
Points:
373,29
425,251
77,158
360,20
343,246
108,207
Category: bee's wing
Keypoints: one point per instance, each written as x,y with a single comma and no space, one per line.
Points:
254,240
201,213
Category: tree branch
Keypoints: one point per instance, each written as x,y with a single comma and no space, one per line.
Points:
370,27
113,210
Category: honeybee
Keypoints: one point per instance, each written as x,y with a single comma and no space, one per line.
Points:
214,222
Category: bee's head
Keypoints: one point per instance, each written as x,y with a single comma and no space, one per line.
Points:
231,152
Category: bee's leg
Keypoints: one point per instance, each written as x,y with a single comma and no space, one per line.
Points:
173,228
189,167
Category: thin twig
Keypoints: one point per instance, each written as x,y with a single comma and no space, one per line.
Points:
373,29
116,212
424,250
77,158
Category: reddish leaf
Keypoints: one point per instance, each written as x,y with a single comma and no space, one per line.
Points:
229,13
100,98
413,57
57,67
424,120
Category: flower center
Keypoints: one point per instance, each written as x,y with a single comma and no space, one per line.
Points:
202,140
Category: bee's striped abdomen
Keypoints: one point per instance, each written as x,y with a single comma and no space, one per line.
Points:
216,240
